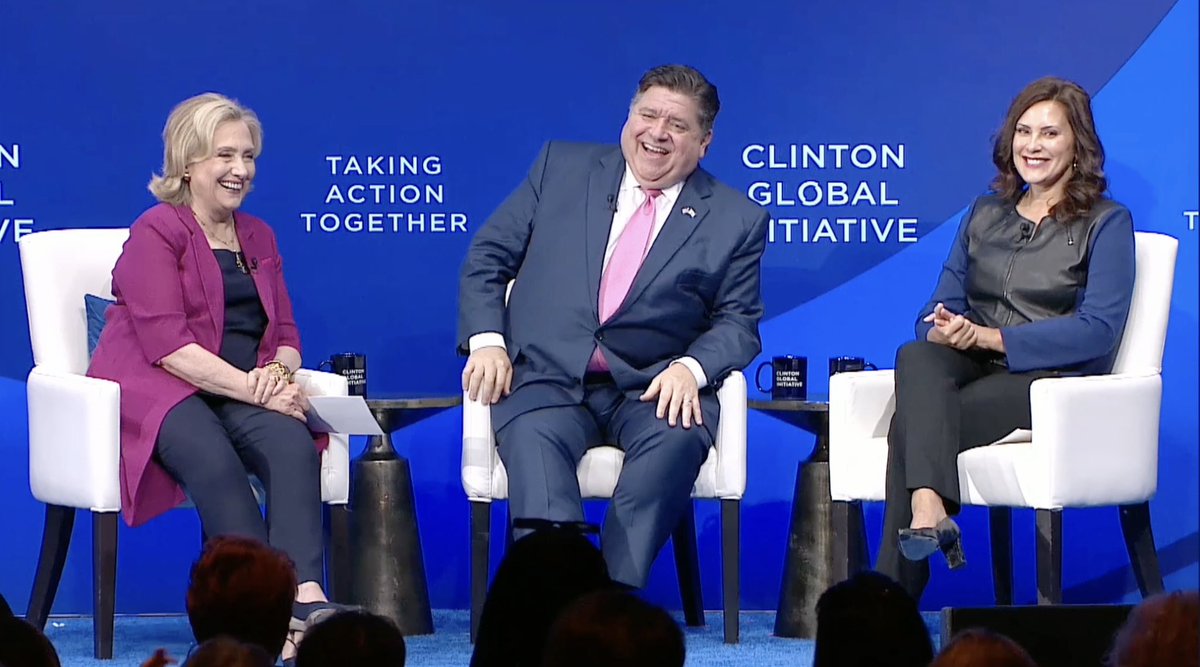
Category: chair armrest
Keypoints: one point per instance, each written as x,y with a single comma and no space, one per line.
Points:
479,456
318,383
861,405
74,440
335,461
730,439
478,450
1098,437
335,470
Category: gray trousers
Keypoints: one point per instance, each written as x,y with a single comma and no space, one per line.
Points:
541,451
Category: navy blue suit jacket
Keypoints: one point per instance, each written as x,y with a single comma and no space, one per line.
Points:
696,294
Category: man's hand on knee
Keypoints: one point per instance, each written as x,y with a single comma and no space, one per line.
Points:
677,394
488,375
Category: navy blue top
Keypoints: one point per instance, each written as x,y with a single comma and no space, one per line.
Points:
1085,341
245,319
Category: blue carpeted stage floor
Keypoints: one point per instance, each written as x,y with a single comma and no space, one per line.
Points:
138,636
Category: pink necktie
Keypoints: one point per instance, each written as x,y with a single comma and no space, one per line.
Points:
623,265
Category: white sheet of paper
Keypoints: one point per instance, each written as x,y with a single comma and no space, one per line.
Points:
341,414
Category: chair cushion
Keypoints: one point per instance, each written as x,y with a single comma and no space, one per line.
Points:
598,473
1011,473
95,307
858,470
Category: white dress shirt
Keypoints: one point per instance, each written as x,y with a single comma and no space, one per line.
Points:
630,198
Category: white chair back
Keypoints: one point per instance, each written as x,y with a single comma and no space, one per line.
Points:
1146,327
60,266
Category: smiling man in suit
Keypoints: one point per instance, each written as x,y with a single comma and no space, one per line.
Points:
635,292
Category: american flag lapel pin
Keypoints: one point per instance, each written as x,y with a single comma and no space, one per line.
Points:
689,211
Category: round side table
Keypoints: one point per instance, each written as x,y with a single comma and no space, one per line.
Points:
388,570
811,564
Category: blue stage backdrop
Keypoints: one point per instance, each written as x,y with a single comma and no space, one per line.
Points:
392,130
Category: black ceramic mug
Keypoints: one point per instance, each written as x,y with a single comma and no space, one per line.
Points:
849,364
789,378
353,366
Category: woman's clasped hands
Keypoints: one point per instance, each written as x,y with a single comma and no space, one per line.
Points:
274,391
960,333
950,328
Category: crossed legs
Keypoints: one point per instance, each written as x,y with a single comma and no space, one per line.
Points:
947,401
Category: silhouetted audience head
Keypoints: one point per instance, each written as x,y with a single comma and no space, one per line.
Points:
21,645
5,610
242,588
352,638
1162,630
981,648
870,620
614,628
226,651
540,575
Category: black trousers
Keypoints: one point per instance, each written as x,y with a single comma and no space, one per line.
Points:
947,402
208,444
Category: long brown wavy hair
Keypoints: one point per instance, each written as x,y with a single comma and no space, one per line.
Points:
1087,183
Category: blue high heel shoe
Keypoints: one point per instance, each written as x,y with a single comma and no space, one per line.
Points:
920,543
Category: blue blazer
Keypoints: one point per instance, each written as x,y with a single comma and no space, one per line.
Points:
696,294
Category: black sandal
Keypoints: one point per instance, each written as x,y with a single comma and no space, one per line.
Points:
307,614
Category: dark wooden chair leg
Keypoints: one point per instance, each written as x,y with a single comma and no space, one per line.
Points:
509,538
850,549
338,567
104,584
1000,528
842,568
56,539
1139,542
860,555
481,533
687,565
1049,556
731,567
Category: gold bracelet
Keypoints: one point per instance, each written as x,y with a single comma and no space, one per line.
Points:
279,370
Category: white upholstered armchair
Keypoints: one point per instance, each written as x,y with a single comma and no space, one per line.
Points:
74,420
1093,442
722,477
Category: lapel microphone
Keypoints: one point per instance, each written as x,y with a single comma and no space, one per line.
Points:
1026,231
612,203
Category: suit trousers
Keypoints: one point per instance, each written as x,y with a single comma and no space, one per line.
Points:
541,450
947,401
208,444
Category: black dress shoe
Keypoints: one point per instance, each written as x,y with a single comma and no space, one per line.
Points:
920,543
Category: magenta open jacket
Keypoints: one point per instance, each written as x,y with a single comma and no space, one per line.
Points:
170,292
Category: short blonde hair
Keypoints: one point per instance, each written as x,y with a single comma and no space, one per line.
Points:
188,137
